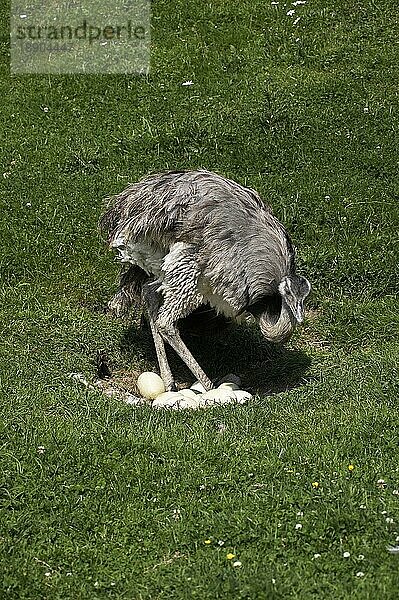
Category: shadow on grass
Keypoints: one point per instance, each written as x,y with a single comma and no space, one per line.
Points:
264,368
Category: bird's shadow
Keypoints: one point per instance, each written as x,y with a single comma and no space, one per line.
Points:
264,368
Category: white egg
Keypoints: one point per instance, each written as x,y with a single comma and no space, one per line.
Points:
198,387
218,396
168,400
150,385
189,402
224,396
242,396
187,393
228,385
167,396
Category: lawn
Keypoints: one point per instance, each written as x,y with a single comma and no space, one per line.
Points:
103,500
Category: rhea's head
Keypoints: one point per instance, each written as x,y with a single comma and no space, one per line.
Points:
279,313
293,290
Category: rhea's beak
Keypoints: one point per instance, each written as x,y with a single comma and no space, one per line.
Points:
297,309
300,311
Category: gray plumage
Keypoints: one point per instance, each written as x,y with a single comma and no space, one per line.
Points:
191,238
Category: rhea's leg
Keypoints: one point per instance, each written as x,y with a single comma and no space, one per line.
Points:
171,334
180,298
151,301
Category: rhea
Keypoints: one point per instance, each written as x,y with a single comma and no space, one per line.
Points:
192,238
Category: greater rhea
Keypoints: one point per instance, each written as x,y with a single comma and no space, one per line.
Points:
193,238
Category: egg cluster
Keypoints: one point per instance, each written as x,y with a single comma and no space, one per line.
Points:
151,387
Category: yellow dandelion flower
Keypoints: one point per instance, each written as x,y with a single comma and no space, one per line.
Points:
230,556
351,467
208,542
315,484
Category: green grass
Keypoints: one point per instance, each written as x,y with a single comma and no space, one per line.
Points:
121,500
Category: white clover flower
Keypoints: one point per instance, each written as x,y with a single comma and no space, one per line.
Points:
298,526
237,563
389,520
317,555
346,554
360,574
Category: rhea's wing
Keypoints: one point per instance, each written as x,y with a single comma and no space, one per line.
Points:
153,208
